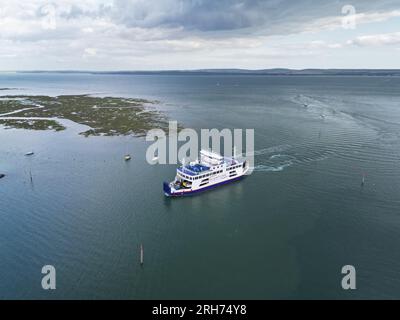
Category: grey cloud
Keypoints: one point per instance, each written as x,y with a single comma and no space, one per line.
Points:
226,15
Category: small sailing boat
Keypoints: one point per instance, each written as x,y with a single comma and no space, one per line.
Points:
363,180
141,254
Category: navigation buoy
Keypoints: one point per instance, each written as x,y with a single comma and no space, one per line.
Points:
141,254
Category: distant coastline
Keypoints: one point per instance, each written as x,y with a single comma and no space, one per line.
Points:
265,72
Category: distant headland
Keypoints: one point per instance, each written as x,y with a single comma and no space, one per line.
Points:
265,72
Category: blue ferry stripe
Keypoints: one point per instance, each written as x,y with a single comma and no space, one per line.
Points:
204,189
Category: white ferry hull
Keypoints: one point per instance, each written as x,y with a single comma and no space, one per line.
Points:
169,191
210,171
181,193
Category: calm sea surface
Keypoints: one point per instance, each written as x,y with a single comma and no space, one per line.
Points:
284,232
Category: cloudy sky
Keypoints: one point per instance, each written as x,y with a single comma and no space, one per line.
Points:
196,34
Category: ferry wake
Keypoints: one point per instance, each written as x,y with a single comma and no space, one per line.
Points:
210,171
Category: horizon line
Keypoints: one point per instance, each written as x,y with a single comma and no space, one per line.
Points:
206,70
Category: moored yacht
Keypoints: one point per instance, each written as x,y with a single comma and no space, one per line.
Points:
209,171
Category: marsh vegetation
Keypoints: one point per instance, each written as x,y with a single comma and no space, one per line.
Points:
108,116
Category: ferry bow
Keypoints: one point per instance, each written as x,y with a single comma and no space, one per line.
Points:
210,171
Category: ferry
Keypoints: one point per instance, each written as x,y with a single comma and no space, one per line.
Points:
210,171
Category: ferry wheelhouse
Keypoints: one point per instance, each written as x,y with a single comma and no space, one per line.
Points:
209,171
